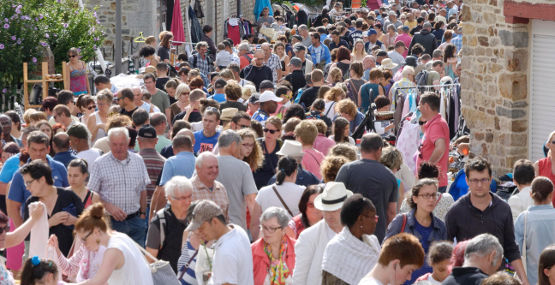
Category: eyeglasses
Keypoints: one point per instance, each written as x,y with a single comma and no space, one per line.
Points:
92,107
271,131
269,229
182,198
429,195
84,239
553,142
477,181
28,183
4,229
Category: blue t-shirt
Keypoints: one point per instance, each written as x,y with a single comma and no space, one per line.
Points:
203,143
425,234
220,98
10,167
19,193
65,157
365,97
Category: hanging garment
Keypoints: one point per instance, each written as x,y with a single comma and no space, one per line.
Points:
454,113
169,14
232,30
302,18
198,10
408,142
246,27
196,30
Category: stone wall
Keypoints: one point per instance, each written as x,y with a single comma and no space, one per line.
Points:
495,83
144,16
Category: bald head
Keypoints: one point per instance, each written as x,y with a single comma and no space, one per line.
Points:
60,141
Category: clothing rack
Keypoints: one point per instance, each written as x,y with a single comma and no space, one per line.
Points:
429,86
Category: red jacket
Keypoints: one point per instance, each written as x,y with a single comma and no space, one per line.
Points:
261,262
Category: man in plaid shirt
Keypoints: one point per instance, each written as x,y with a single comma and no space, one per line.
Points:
201,60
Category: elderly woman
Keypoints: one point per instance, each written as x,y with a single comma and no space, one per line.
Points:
309,215
182,96
274,254
420,221
166,227
62,206
389,38
330,167
534,227
270,145
546,166
353,252
98,120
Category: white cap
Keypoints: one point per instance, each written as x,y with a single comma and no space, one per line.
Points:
269,96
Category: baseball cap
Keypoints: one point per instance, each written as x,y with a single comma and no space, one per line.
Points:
79,131
147,131
299,47
269,96
411,61
371,32
266,84
406,28
204,211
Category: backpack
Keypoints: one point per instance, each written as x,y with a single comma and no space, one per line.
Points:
195,58
162,219
421,78
246,56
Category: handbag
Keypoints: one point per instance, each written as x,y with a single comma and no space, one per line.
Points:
161,270
282,202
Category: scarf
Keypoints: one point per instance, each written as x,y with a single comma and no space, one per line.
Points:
278,269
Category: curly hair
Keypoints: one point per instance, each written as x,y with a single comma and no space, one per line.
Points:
330,167
256,157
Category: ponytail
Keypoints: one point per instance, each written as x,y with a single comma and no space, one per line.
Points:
286,167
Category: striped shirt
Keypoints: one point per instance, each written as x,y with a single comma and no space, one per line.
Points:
154,163
120,182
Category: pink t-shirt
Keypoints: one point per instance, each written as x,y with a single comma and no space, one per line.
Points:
406,38
323,144
312,160
435,129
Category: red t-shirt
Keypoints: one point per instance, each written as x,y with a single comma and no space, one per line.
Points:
544,169
435,129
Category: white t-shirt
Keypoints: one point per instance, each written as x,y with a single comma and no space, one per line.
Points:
290,193
89,155
369,280
233,259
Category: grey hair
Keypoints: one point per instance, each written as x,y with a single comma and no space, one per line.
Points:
243,46
201,44
157,119
177,184
303,27
228,137
200,159
482,245
118,132
279,213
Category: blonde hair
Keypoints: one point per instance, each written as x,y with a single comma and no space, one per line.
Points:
335,75
181,88
335,94
256,158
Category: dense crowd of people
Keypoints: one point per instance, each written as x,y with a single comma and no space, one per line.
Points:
317,155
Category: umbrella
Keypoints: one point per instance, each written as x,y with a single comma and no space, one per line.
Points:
177,24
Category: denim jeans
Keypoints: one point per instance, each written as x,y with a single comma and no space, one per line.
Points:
135,228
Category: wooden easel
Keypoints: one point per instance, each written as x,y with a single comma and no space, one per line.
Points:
43,80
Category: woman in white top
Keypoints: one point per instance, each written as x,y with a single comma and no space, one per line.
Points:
284,193
97,120
354,251
331,97
123,263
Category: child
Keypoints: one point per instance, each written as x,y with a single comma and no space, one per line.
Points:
37,271
439,258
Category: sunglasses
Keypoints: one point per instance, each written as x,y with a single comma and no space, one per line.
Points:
73,55
91,107
271,131
5,229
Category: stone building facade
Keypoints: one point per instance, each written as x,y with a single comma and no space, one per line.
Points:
147,16
495,76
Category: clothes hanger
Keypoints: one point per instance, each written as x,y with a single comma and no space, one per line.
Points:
140,38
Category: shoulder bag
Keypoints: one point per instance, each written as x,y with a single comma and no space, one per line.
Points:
161,270
281,200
